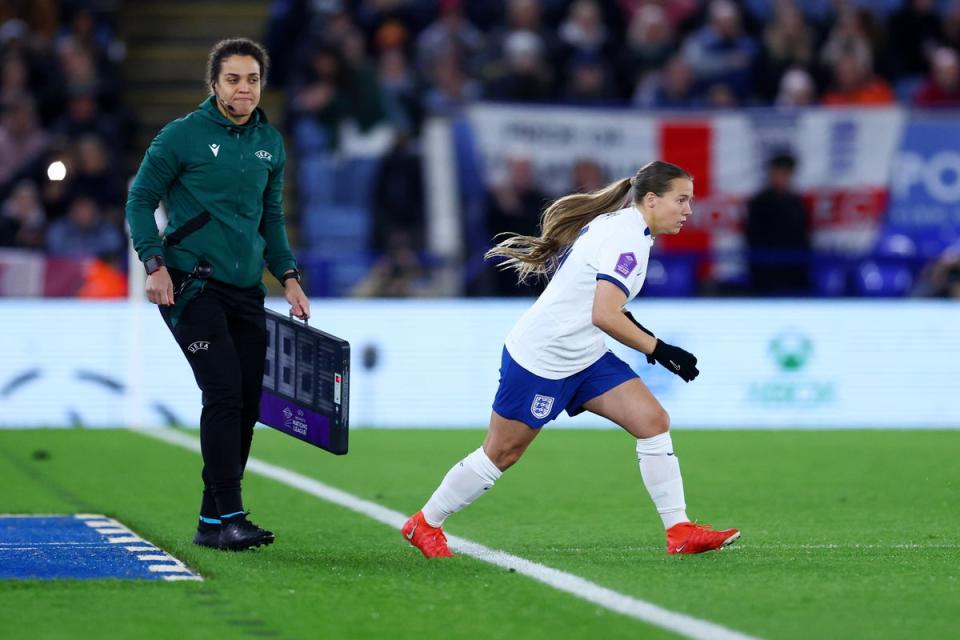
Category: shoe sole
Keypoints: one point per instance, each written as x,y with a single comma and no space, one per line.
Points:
729,541
255,544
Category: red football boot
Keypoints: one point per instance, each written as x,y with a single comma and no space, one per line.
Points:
689,537
430,540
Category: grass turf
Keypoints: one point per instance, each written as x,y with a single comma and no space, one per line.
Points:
846,534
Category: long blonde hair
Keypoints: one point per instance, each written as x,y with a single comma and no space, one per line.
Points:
560,225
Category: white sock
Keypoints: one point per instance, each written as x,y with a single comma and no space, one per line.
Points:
464,483
660,470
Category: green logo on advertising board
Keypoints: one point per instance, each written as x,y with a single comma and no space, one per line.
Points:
792,351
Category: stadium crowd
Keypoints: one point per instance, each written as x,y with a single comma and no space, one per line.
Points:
361,77
368,73
62,136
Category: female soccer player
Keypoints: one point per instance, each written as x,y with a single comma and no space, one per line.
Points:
555,357
219,171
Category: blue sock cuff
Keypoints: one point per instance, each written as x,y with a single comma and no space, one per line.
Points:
209,520
230,515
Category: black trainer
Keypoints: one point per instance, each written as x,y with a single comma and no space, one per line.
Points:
208,535
237,533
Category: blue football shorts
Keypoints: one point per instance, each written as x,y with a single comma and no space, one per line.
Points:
535,401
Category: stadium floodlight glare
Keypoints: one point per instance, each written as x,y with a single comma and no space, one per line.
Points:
57,171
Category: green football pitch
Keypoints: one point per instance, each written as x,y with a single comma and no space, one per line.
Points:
845,535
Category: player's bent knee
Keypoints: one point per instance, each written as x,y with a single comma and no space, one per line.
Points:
660,423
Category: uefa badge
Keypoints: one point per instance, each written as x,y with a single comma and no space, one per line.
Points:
541,406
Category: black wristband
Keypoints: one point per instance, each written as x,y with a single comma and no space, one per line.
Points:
291,274
153,264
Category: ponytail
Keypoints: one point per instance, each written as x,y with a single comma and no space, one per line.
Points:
562,221
560,225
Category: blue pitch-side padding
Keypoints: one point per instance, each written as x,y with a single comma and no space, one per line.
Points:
81,547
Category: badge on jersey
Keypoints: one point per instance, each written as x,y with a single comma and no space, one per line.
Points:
626,263
541,406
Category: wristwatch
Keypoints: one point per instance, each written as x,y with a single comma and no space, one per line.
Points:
153,263
291,274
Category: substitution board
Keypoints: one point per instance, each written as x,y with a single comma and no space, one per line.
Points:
306,383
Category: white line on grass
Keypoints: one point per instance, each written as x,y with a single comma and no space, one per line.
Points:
679,623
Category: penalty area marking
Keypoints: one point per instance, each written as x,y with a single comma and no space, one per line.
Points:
679,623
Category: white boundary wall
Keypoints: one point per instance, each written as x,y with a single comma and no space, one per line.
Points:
778,364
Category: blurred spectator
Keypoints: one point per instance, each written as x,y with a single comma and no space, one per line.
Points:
942,87
672,88
855,83
452,91
15,78
94,179
401,93
398,201
450,36
587,176
677,12
778,234
526,75
650,43
83,233
335,93
80,73
514,206
853,34
588,81
796,89
915,30
398,273
510,47
22,218
22,141
721,52
103,279
84,117
583,31
788,43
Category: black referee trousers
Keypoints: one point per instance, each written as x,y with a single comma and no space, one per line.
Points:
222,333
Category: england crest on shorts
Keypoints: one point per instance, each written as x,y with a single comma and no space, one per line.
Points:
541,406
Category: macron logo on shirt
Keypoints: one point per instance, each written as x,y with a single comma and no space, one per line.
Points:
626,263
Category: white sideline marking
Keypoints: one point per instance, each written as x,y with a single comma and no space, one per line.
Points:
679,623
94,524
141,548
168,568
151,557
125,539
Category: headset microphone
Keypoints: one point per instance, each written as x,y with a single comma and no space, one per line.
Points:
225,105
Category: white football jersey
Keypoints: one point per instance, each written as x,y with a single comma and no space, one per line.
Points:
556,337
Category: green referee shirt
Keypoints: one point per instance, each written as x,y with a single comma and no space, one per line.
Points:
222,186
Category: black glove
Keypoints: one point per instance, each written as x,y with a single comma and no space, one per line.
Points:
676,360
630,317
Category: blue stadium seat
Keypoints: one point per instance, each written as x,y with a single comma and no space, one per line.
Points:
882,277
671,275
829,277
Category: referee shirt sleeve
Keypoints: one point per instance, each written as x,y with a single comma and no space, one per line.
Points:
278,254
158,170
